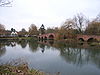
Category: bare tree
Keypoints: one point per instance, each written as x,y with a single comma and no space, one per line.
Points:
97,19
66,30
68,24
5,2
23,30
2,29
33,30
50,30
22,33
80,22
93,28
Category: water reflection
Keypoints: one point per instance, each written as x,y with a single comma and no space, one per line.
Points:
13,44
42,46
78,54
74,56
23,43
94,56
2,50
48,44
45,42
50,55
33,46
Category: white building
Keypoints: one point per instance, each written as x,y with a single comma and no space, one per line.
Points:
13,34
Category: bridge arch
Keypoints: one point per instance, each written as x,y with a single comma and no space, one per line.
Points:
39,38
81,39
42,38
45,38
92,40
51,37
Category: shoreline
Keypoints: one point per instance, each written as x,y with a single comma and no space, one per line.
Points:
35,39
22,69
19,70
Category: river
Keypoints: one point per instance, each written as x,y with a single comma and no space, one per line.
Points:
53,57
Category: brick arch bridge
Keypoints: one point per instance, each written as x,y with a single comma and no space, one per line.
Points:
88,38
47,36
79,37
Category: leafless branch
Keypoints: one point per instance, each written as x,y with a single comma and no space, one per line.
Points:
5,3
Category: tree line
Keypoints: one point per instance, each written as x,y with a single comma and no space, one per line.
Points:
79,24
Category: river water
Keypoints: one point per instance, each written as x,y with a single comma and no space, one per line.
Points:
53,57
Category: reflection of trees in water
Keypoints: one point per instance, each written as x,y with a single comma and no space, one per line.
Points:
33,46
79,54
23,43
2,50
9,43
60,45
74,56
94,56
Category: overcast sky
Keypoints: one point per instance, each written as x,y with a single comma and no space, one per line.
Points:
51,13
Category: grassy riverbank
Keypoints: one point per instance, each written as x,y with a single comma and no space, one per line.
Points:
19,70
18,38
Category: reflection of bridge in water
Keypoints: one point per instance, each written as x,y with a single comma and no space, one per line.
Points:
78,54
86,38
64,44
47,42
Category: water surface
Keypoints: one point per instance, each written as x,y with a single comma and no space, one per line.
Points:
53,57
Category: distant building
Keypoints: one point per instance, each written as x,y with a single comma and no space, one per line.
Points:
14,34
42,30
